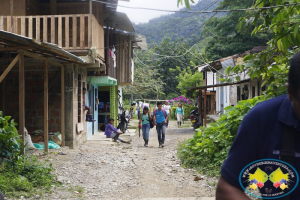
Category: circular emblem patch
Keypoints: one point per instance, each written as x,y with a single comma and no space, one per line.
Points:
269,178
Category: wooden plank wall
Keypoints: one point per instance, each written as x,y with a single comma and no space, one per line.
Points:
19,7
124,71
32,7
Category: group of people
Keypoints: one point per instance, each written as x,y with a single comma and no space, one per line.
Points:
159,117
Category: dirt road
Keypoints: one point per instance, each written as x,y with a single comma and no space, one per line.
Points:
123,171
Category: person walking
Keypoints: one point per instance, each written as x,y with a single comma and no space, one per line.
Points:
145,121
160,118
167,108
179,114
131,111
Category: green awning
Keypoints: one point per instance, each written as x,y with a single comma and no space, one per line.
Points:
102,80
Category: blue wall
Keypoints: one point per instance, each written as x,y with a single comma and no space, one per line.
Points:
91,96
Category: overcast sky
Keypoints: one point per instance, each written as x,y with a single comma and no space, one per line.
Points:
138,16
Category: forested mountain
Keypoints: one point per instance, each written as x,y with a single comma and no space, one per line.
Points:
178,25
179,42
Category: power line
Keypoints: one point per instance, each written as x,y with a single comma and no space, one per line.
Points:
188,11
189,16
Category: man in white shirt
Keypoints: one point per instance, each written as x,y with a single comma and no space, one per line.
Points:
167,108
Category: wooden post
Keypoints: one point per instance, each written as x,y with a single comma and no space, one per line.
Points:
38,27
22,100
90,25
74,29
45,29
46,107
82,32
23,26
62,106
53,35
10,66
59,35
200,107
67,31
30,27
11,16
205,107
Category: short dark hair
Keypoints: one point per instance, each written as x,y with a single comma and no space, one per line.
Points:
159,103
110,119
83,88
294,74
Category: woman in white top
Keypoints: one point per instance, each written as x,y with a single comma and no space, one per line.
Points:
167,108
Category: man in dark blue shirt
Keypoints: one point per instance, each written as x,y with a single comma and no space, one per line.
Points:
260,136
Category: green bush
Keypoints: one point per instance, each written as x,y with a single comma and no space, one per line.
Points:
9,139
209,147
20,173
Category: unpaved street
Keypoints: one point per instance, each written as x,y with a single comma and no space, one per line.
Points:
123,171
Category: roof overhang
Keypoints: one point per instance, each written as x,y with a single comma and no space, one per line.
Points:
103,80
119,21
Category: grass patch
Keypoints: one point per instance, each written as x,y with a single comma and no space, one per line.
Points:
27,177
188,160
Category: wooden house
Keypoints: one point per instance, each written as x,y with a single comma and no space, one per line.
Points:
62,46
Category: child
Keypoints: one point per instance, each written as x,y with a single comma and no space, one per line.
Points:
112,132
145,121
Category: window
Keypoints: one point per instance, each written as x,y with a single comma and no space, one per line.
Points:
80,99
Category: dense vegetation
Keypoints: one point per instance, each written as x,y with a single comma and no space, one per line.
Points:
209,147
20,174
179,42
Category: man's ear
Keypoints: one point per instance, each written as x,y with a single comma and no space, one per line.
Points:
289,92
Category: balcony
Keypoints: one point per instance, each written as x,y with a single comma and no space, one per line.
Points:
73,33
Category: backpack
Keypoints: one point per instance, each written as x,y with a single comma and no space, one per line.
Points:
151,120
162,110
151,123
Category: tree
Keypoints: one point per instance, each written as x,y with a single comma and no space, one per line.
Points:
147,81
188,78
273,63
168,57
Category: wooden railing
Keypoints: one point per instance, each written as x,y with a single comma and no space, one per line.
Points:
71,32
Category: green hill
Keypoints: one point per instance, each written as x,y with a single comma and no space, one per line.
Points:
178,25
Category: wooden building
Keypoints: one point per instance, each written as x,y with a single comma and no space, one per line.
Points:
67,47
